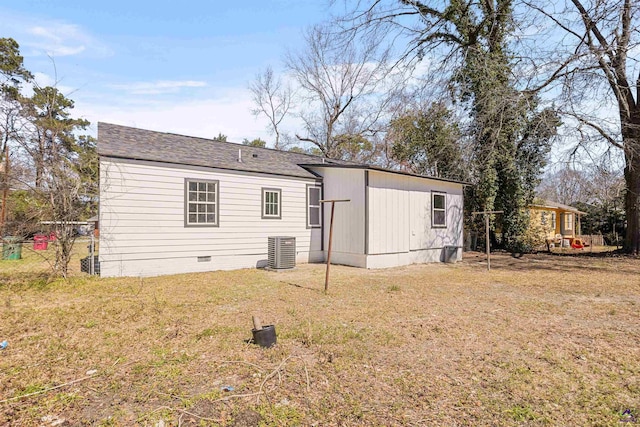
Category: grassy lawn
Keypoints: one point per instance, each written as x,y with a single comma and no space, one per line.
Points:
539,340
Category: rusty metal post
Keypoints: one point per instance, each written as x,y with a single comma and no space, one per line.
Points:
326,277
486,227
333,207
5,190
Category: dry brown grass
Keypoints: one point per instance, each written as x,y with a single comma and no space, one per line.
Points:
540,340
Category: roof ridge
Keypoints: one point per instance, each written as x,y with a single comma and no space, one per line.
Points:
220,142
143,144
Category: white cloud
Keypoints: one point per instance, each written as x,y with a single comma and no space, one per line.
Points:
43,80
38,37
158,87
229,114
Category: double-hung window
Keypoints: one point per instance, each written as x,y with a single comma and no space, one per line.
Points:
438,209
568,221
201,203
314,217
271,203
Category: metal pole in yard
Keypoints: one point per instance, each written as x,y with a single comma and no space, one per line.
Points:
333,206
486,228
326,277
91,253
5,190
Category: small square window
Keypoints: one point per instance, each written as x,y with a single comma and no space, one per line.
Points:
271,203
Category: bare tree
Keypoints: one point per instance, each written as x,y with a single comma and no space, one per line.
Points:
567,186
596,63
274,100
342,86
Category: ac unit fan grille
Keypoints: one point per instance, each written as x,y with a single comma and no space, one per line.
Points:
282,252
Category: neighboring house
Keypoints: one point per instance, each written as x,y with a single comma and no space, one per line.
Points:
175,204
555,219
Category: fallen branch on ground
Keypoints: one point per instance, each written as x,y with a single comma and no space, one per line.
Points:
47,389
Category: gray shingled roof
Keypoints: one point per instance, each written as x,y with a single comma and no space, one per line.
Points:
139,144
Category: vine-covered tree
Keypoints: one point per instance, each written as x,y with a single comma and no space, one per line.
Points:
471,43
581,53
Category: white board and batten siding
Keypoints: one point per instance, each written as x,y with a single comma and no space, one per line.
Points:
388,220
400,219
142,220
348,245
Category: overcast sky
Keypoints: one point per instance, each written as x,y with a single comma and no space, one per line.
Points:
174,66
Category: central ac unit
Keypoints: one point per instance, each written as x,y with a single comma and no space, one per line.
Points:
282,252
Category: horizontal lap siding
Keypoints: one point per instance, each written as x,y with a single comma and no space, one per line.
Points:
142,219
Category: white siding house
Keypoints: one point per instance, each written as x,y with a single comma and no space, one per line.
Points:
143,212
175,204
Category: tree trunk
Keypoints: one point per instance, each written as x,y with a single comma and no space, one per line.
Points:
632,197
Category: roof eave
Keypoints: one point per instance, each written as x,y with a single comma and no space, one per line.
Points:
379,169
558,208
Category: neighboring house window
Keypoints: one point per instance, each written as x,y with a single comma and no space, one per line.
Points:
568,221
201,203
438,209
543,218
553,220
271,203
313,206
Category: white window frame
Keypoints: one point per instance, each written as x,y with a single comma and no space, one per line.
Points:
434,209
568,221
209,201
310,206
266,203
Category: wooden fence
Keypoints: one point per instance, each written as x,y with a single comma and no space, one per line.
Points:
592,239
